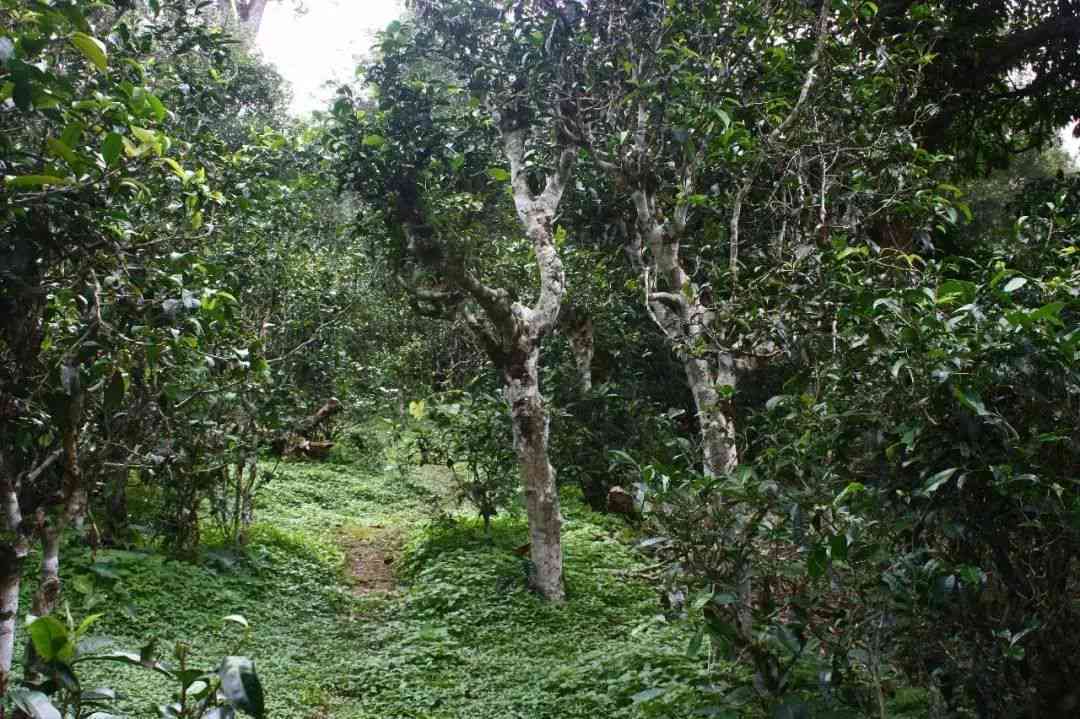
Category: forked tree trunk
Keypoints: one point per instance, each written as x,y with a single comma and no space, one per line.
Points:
677,307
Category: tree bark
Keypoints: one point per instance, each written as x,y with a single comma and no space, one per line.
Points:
530,422
720,455
679,310
10,579
243,16
51,530
12,559
577,325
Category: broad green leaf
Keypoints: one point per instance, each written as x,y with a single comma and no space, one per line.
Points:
241,686
959,291
971,401
374,141
111,148
1050,313
146,136
27,182
60,149
934,483
156,105
418,409
92,48
50,639
817,560
838,548
498,174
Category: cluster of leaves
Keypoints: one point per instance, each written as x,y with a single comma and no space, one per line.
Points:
469,433
56,652
886,545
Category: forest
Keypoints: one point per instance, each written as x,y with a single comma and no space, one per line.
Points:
577,358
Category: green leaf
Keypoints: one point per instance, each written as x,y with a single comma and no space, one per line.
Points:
111,148
50,639
498,174
92,48
838,548
27,182
418,409
971,401
156,105
375,141
960,291
86,623
241,686
60,149
34,704
849,491
1050,313
934,483
1014,284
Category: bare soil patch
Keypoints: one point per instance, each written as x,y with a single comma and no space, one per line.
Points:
370,553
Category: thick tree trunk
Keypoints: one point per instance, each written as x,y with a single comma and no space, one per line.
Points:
530,422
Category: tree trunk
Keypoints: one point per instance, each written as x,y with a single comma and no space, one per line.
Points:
12,558
51,531
244,17
530,422
577,326
10,578
714,413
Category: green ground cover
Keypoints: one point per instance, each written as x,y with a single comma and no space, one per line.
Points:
459,637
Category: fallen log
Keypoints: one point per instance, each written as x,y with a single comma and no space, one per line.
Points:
296,442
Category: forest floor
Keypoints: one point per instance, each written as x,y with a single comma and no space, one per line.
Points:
370,596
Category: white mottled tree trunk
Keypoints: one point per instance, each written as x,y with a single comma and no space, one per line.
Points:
51,530
530,423
12,557
10,579
714,412
530,325
677,307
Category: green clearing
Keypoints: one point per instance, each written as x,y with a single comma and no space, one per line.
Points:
461,637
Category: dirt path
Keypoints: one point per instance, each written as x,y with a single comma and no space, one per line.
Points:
371,552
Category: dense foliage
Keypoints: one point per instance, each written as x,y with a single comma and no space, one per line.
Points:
748,329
